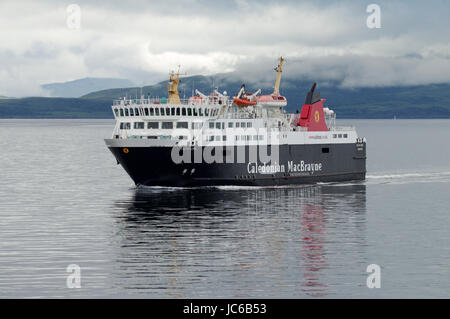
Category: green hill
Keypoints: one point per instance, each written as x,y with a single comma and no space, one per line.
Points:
41,107
423,101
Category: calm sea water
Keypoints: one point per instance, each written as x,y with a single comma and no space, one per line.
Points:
63,200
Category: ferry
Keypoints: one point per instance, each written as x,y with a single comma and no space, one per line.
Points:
245,140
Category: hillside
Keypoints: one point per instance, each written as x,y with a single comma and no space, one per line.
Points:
41,107
424,101
428,101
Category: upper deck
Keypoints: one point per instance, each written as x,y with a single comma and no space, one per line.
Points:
195,118
159,108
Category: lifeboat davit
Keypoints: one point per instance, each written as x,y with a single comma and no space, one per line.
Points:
272,100
243,102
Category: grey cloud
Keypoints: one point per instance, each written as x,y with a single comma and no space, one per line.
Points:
142,40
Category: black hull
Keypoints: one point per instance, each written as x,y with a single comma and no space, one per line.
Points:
153,166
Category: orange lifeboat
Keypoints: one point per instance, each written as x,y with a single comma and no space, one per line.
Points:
243,102
195,100
272,100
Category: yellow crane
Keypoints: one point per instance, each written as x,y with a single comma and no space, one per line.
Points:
279,69
172,88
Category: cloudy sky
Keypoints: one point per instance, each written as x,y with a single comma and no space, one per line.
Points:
42,42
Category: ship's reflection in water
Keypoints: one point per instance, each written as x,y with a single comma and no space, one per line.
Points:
242,242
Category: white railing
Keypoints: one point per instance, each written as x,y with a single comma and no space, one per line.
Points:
342,128
163,100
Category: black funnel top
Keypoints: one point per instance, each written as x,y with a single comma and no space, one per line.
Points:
312,97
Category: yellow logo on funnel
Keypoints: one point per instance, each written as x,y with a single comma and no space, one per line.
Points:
317,116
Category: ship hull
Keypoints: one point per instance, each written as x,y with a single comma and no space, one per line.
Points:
297,164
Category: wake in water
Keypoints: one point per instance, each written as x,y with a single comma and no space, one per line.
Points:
408,177
371,179
223,187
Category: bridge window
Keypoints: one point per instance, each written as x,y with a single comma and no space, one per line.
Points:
116,111
126,112
136,111
121,112
152,125
167,111
167,125
183,111
207,112
178,111
172,111
189,111
182,125
195,111
200,111
152,111
131,112
125,126
146,111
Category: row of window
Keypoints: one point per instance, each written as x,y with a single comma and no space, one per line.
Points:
155,125
165,111
237,138
340,135
194,125
221,125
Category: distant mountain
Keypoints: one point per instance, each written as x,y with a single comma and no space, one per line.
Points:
422,101
84,86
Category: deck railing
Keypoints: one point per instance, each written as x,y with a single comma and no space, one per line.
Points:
163,100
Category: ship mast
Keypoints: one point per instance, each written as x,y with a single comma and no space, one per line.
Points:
279,69
172,88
